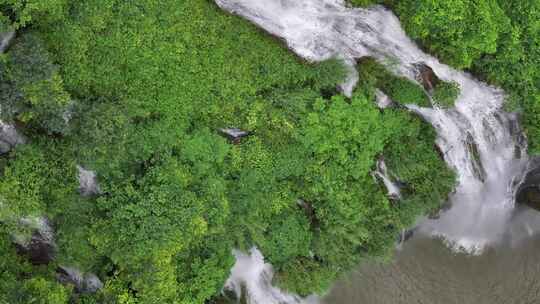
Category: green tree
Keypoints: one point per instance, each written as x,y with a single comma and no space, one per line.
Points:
31,87
458,31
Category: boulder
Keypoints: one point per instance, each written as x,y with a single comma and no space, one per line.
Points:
234,134
426,76
528,192
69,275
83,283
39,247
9,138
5,40
4,147
92,283
88,185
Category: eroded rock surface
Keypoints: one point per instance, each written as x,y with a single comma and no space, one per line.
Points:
39,246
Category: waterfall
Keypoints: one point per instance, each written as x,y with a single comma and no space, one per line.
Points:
391,187
253,276
482,143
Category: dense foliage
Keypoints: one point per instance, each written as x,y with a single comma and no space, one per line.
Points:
138,93
497,40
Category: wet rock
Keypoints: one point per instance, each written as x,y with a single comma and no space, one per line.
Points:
405,235
5,40
234,134
83,283
426,76
472,146
40,247
528,192
88,185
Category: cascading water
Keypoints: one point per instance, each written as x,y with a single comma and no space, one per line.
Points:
481,142
391,187
252,273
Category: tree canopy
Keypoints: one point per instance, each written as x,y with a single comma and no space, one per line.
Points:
138,92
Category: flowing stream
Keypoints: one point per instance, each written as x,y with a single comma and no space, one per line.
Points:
482,143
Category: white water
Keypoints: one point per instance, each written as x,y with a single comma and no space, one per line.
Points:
382,173
479,141
253,276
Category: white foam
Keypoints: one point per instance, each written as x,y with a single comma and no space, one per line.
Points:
252,274
391,187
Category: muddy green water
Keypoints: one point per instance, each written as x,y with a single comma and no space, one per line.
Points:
425,271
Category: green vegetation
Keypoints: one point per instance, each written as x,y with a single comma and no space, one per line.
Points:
399,89
460,32
31,87
497,40
18,287
445,94
138,91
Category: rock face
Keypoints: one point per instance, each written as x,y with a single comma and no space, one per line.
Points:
9,138
426,76
83,283
528,192
5,40
234,134
40,247
88,185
